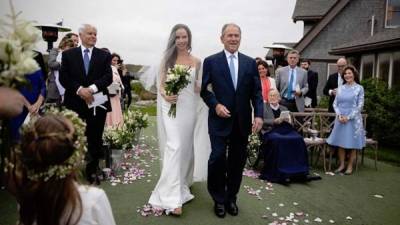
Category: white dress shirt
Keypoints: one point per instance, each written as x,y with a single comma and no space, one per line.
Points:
235,63
93,86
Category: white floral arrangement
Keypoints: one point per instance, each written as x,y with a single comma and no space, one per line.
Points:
177,78
117,137
253,145
18,38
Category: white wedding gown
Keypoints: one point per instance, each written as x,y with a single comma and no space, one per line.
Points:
184,146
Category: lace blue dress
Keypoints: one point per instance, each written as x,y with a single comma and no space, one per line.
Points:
349,102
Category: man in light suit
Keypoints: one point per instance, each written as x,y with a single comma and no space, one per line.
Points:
235,84
85,71
292,83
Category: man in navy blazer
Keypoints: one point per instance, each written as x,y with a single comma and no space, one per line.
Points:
86,70
230,87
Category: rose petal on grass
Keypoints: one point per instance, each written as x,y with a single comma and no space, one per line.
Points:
331,221
281,205
349,218
319,220
378,196
295,203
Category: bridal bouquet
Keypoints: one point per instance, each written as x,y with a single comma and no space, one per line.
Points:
178,78
18,38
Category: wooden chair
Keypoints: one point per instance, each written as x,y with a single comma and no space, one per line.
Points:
305,123
368,142
326,120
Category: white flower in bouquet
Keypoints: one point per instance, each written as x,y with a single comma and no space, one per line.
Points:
17,39
177,78
254,144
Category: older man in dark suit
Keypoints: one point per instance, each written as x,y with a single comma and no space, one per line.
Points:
334,81
86,71
235,83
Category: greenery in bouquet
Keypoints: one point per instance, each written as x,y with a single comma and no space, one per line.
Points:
178,77
254,144
18,38
117,137
134,120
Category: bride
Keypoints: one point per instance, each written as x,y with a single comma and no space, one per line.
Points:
183,140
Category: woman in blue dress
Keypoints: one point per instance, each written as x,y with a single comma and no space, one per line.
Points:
348,131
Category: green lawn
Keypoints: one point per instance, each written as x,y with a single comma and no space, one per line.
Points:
332,198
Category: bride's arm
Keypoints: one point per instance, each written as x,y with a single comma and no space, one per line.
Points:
198,76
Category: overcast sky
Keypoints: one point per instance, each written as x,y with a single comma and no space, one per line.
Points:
138,30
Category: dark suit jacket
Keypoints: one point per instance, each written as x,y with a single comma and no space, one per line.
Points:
217,76
72,76
331,84
312,78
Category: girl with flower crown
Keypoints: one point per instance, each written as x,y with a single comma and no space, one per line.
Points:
43,178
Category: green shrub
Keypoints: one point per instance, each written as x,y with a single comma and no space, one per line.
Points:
382,105
137,87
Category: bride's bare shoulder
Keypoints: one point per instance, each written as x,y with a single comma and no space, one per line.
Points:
196,60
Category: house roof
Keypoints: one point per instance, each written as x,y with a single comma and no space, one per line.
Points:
386,39
315,30
311,9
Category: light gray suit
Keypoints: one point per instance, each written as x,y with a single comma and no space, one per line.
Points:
282,81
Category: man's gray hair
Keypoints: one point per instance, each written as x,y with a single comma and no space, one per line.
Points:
84,26
227,25
294,51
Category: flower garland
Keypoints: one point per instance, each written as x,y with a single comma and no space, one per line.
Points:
75,160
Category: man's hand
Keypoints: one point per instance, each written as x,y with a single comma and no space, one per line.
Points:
297,93
12,102
257,124
86,94
222,111
334,92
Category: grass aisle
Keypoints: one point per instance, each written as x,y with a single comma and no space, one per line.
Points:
333,198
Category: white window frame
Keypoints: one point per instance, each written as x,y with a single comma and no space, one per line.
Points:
373,66
386,17
328,70
378,75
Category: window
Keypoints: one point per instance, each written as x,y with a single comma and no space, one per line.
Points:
367,66
332,68
396,70
384,66
392,13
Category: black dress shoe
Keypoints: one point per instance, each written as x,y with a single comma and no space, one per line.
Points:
232,208
219,210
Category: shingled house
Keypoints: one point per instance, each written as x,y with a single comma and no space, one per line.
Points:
367,32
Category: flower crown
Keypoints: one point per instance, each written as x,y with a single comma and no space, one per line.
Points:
62,170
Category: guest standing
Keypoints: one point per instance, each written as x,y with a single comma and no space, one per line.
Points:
348,131
115,118
292,84
267,82
334,81
85,71
312,79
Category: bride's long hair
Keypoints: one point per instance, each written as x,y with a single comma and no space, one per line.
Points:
171,54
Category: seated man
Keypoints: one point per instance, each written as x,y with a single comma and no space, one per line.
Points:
285,153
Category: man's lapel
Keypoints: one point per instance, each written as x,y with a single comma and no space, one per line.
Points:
80,60
241,65
92,60
225,69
